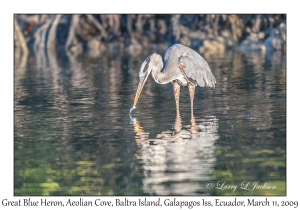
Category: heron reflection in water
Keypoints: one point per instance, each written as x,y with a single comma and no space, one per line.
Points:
179,161
182,66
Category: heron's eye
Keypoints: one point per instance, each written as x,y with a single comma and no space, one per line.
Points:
146,72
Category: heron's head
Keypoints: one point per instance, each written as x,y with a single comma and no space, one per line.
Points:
147,66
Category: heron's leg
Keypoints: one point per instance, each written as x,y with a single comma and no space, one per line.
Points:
176,87
177,123
192,89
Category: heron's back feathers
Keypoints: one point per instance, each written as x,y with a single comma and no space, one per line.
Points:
191,64
196,69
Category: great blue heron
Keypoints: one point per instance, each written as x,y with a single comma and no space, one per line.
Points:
182,66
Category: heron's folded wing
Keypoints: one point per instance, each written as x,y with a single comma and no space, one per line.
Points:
197,69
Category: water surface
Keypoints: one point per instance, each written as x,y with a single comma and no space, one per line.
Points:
73,134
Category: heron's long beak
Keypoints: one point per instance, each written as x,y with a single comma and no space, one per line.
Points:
142,81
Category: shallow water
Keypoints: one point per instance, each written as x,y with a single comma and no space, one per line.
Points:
73,134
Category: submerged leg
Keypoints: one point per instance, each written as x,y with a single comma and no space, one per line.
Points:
193,129
176,88
192,88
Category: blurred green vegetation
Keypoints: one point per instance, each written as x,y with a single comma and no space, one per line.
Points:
85,178
236,168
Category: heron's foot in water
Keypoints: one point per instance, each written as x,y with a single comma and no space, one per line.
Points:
132,120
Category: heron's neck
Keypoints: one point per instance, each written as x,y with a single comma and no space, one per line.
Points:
162,77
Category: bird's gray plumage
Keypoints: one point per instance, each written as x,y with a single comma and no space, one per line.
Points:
181,65
193,65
